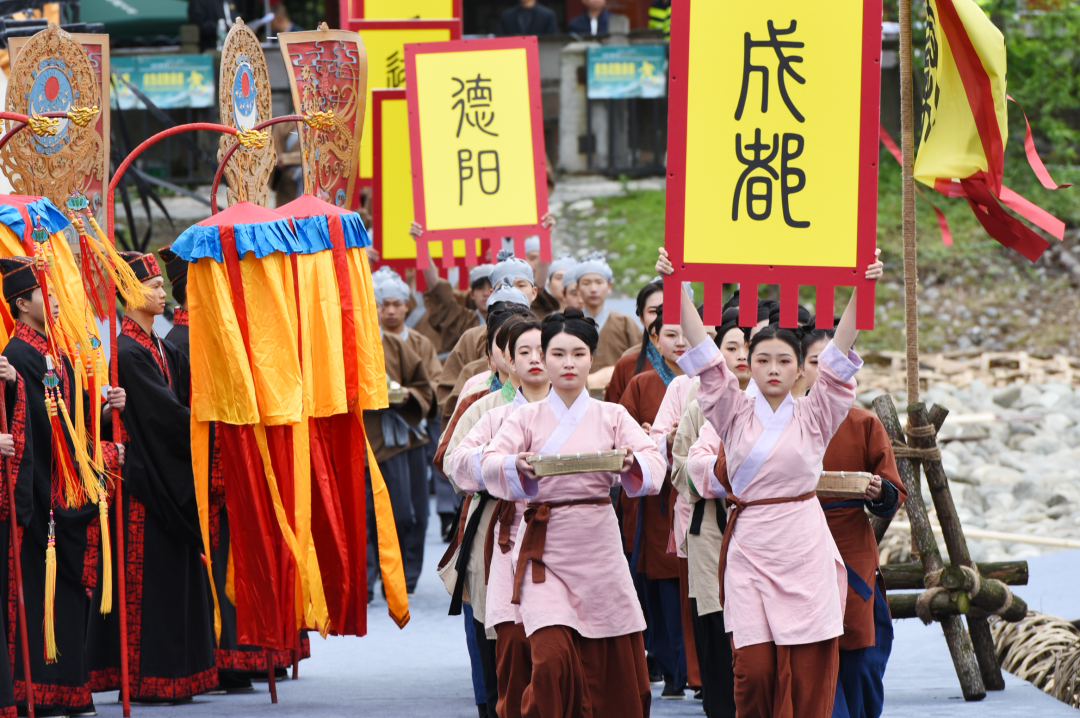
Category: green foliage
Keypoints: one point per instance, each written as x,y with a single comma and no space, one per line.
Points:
1044,77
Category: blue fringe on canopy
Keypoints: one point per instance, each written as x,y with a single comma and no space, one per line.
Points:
51,217
315,234
353,228
262,238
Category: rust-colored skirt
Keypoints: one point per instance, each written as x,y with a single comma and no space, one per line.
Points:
774,681
513,665
574,676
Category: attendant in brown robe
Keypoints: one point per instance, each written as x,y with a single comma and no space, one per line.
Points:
392,432
652,524
392,295
553,287
860,444
618,332
649,298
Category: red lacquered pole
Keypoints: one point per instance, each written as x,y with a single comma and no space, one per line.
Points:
15,549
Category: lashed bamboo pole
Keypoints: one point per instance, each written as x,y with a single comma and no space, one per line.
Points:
953,533
908,576
956,636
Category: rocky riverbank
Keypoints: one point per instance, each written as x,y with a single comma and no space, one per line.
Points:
1012,455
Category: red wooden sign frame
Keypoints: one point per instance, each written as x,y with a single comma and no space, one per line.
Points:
751,276
518,232
378,96
354,10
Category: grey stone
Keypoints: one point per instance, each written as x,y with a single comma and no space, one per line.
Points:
1008,396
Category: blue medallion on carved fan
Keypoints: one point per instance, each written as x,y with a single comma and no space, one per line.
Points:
244,94
51,92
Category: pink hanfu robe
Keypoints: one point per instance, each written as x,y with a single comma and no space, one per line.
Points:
463,464
785,581
587,585
667,417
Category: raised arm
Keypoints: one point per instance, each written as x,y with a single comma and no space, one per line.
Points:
845,335
692,326
431,275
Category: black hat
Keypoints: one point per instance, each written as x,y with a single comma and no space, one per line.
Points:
175,267
19,276
145,266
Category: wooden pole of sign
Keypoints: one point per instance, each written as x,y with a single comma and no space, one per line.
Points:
960,643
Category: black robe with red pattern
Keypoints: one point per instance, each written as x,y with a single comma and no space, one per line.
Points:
65,682
170,634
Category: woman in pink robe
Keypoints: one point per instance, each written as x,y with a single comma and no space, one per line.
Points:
783,582
577,600
513,665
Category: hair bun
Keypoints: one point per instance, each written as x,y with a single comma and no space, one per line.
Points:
573,313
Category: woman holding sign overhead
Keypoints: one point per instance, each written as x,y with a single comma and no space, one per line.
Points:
577,600
783,582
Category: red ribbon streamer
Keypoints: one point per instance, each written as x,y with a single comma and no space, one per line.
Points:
1034,160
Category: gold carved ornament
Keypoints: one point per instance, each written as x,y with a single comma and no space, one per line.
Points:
245,102
329,151
59,155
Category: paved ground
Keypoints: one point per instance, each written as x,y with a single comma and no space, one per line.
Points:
423,670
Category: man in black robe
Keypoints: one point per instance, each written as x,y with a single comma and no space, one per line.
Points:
170,634
62,687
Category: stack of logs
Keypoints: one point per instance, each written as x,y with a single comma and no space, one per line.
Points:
960,588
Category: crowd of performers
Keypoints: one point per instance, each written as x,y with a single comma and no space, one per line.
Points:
579,591
75,651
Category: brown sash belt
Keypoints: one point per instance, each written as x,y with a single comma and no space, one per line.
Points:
532,543
738,505
504,514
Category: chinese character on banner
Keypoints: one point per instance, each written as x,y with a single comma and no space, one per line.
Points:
391,191
476,138
779,121
395,70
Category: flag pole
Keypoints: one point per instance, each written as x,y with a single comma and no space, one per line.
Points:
956,634
17,561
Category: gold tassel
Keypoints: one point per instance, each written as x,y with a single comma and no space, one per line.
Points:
135,293
51,652
106,551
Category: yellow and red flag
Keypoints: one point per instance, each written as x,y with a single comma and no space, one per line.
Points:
965,125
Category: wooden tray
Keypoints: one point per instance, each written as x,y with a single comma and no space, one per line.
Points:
560,464
843,484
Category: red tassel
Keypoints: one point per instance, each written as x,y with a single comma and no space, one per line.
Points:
94,279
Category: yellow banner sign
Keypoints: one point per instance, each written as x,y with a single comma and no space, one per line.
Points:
476,128
385,42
